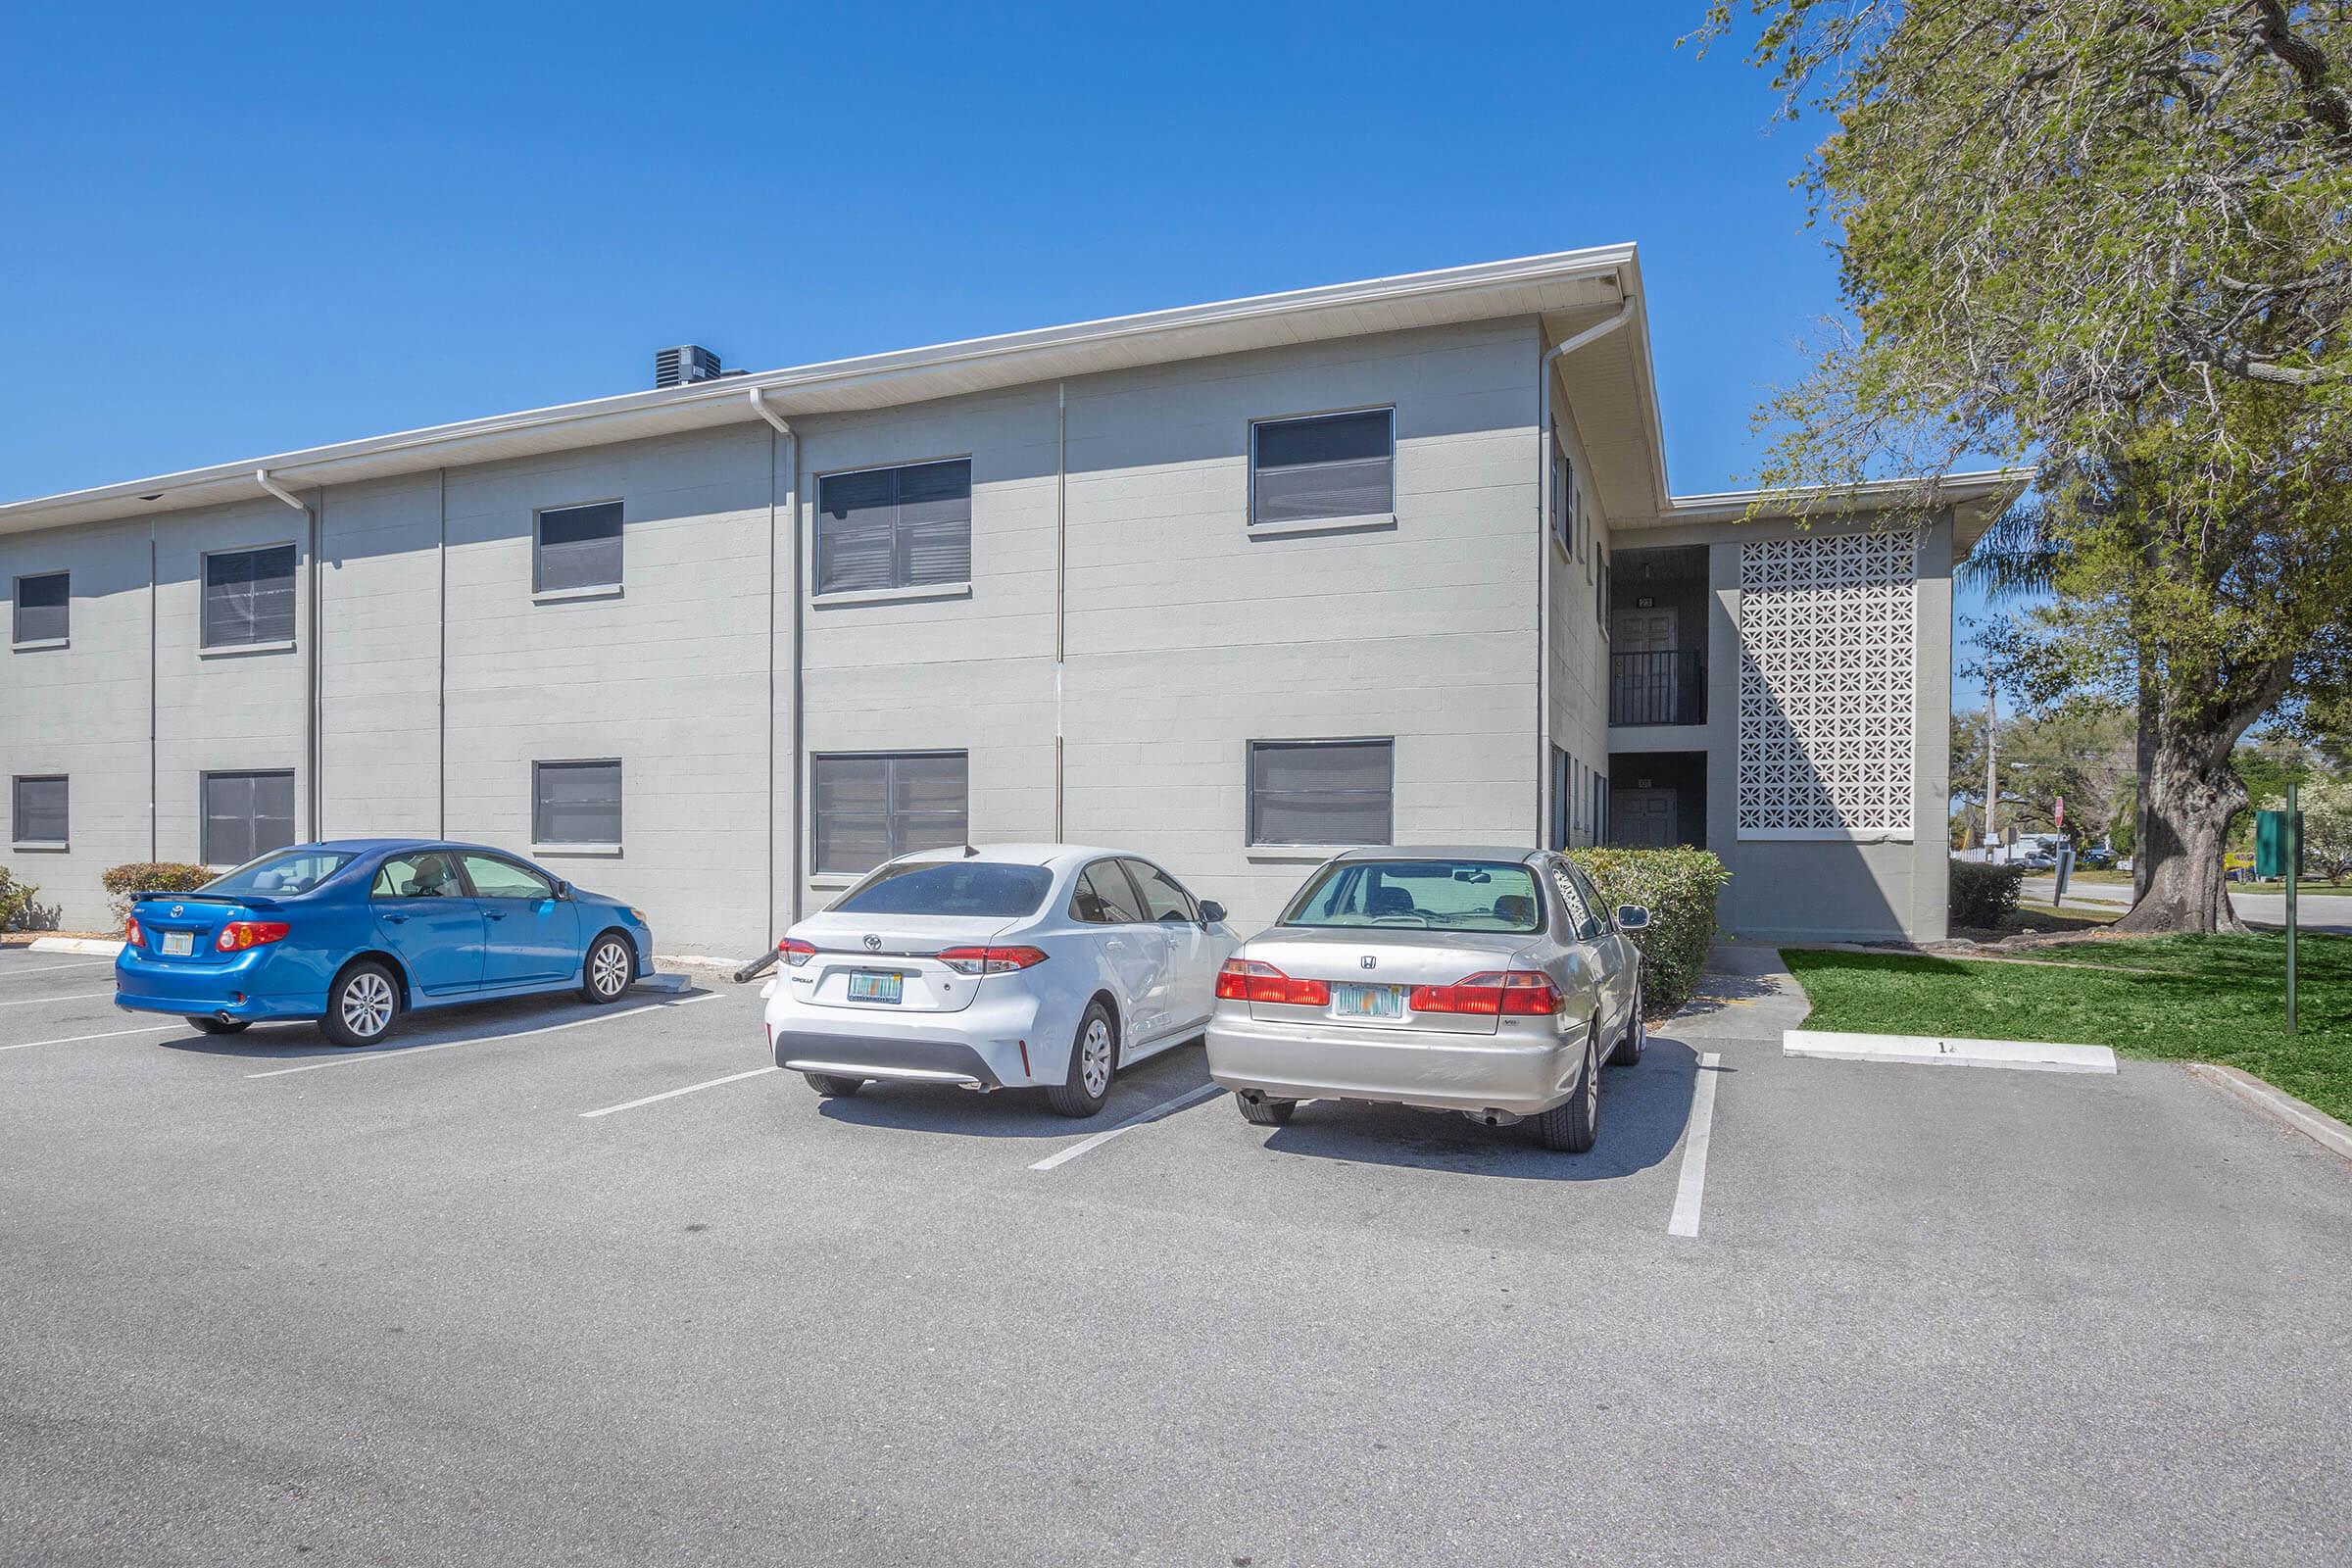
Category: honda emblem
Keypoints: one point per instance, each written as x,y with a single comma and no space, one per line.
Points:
1367,961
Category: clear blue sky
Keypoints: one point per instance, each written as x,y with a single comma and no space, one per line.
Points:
241,230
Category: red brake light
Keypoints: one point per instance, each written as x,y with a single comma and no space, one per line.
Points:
1515,994
1248,980
132,936
990,960
795,952
238,935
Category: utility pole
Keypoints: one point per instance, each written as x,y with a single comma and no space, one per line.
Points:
1992,747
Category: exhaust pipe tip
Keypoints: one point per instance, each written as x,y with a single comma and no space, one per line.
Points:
226,1017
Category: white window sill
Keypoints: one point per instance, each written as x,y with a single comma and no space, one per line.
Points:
602,852
41,645
560,596
40,845
1367,523
893,595
244,650
1295,854
832,881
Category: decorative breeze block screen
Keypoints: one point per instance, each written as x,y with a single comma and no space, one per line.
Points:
1828,638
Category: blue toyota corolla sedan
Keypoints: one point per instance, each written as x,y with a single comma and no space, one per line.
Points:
356,933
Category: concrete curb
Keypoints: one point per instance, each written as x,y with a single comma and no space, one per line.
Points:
2278,1105
2026,1055
101,947
699,960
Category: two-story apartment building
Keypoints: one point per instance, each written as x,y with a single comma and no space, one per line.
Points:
1232,584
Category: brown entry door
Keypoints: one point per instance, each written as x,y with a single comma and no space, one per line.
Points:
1642,819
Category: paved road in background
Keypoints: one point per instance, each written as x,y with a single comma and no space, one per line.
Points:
2314,911
269,1303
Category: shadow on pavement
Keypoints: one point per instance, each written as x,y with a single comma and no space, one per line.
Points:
1642,1111
483,1022
1014,1112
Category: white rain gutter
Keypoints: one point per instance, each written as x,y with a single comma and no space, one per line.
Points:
1545,806
313,795
791,491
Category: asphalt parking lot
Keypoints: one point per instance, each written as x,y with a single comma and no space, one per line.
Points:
542,1282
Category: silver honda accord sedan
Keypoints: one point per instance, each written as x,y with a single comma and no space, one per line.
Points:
1492,982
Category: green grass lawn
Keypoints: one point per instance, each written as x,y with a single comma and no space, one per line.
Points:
2217,998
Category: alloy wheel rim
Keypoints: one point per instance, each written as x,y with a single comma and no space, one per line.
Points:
1093,1059
367,1004
609,969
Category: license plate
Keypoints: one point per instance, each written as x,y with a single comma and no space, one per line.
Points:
868,986
178,943
1367,1001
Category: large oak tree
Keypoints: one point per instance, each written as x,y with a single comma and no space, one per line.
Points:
2109,239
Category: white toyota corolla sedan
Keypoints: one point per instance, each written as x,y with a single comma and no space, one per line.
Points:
1005,966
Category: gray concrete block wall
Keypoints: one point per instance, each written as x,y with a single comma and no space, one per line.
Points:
1577,645
380,658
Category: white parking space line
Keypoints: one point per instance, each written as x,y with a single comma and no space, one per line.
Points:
396,1053
1692,1189
112,1034
1129,1125
34,1002
52,969
690,1089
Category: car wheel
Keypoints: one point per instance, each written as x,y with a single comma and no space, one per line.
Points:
832,1085
362,1005
219,1026
1636,1038
1261,1112
1569,1125
611,965
1093,1057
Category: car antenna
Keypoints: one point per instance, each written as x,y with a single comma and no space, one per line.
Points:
969,852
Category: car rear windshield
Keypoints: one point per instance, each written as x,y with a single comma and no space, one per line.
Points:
280,874
1432,895
991,888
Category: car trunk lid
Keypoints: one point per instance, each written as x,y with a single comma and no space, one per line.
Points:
889,963
1371,971
182,927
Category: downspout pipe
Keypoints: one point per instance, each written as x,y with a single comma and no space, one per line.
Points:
790,489
1546,807
313,794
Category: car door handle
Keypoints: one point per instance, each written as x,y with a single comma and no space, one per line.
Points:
494,914
394,920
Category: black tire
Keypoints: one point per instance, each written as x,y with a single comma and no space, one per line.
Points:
363,1005
832,1085
609,969
219,1026
1568,1126
1076,1096
1636,1038
1262,1112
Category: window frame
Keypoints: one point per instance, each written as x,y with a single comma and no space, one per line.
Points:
586,590
1249,789
1189,909
204,814
621,804
816,868
1254,523
473,889
1562,516
1088,871
16,606
16,810
205,641
818,593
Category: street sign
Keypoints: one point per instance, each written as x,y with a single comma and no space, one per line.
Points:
2271,834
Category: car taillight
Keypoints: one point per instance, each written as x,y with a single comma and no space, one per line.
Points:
795,952
238,935
132,936
990,960
1248,980
1513,993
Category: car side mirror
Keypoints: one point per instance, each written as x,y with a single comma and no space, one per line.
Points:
1211,912
562,890
1631,917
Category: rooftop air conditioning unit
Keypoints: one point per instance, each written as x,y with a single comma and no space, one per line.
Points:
689,362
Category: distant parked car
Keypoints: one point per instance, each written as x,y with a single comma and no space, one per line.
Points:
357,933
1007,966
1492,982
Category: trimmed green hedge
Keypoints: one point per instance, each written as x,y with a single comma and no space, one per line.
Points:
150,876
1677,887
1984,895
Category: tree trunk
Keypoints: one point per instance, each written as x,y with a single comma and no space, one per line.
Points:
2189,793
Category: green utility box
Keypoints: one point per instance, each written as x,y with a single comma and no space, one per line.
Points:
2270,845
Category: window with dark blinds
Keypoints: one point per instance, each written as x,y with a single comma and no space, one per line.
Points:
247,815
1322,792
1328,465
870,808
579,547
44,608
884,528
38,811
576,803
248,597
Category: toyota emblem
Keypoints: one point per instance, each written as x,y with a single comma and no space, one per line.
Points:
175,911
873,944
1367,961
